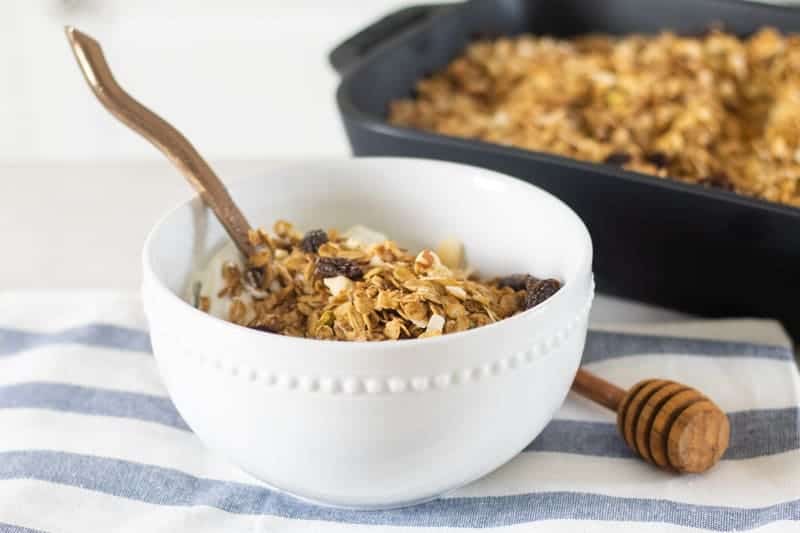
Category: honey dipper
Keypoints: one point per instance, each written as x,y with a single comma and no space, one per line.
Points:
668,424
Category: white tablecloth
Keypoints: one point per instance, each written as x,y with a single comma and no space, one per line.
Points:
90,441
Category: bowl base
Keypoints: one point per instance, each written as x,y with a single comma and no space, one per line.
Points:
349,507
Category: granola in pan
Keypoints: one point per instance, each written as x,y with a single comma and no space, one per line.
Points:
331,285
715,110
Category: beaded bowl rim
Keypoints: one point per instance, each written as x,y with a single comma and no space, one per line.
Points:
371,385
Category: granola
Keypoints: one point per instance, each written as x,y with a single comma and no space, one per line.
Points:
359,286
714,110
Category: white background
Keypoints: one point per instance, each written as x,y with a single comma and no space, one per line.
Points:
243,79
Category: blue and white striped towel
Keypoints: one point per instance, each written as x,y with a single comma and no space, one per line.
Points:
89,441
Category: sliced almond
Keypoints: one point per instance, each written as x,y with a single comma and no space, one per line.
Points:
456,291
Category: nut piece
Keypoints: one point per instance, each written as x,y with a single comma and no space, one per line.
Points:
426,261
428,264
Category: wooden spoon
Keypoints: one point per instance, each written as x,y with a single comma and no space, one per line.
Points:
666,423
156,130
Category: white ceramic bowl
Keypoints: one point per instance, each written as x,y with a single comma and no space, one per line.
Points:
380,424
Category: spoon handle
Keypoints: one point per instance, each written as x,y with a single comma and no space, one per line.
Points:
161,134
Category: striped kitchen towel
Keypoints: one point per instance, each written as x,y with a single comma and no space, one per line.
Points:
90,442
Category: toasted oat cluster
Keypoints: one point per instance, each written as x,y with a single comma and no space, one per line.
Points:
714,110
326,285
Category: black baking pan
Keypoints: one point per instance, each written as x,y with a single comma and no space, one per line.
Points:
705,251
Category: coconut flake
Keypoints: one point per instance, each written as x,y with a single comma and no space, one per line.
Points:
451,253
337,284
362,235
435,324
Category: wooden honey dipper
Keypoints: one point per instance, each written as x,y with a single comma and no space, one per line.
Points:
668,424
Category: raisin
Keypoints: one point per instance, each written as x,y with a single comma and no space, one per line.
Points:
254,277
658,159
265,328
515,281
617,158
328,267
537,291
719,180
313,240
